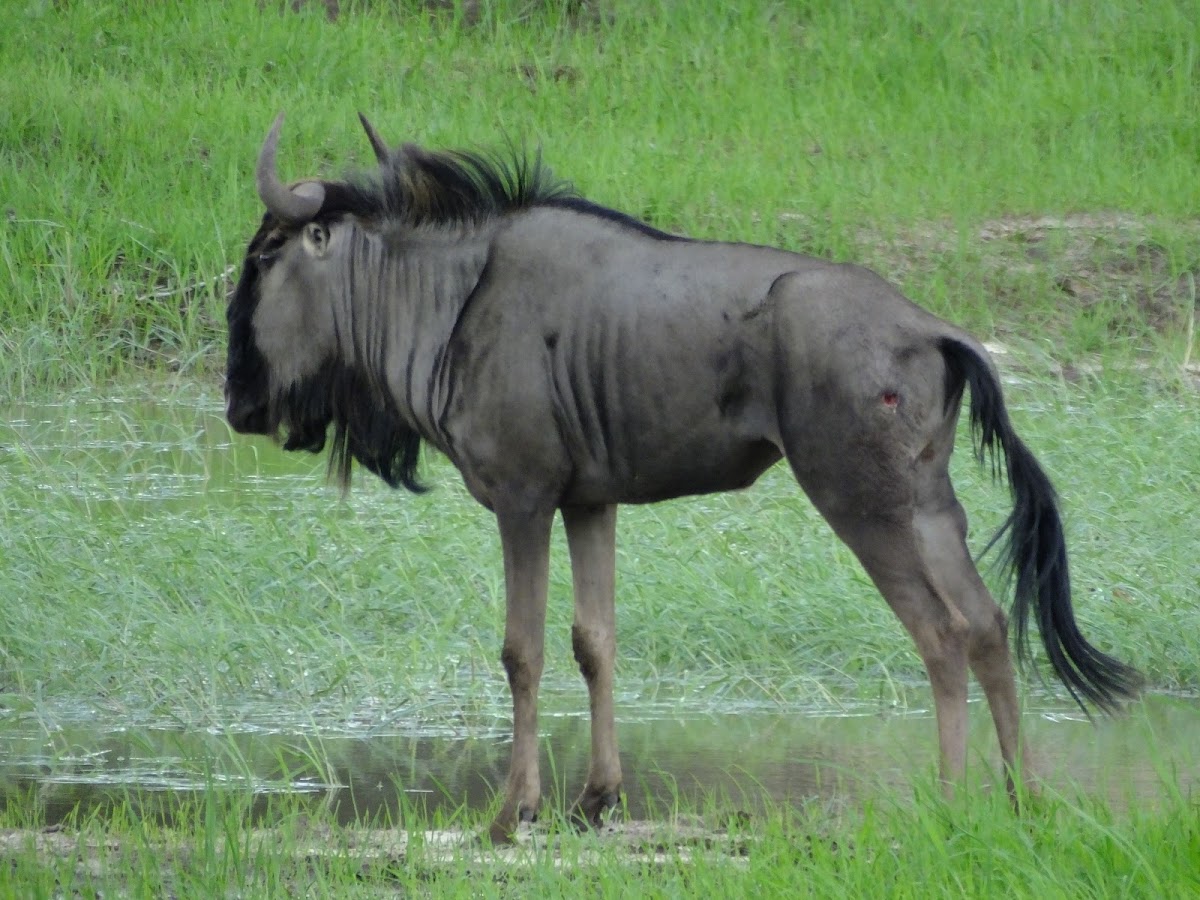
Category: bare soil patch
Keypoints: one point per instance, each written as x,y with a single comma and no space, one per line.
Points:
1085,260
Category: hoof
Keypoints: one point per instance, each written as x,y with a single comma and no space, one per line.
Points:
499,835
503,831
595,809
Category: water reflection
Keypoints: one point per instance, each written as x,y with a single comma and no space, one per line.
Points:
737,757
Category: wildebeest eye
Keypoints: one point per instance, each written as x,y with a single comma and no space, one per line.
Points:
269,251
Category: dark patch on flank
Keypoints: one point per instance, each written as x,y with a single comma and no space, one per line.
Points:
600,401
733,399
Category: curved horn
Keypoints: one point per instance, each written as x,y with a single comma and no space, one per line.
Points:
293,206
382,154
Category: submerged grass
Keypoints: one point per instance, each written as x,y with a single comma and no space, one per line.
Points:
163,565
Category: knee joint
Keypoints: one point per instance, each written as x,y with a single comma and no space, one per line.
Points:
519,668
993,630
584,648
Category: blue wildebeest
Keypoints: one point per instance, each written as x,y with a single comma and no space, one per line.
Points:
567,357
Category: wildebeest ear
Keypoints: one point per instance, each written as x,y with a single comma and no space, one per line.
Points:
316,238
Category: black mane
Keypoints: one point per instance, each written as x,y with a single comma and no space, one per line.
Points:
581,205
418,187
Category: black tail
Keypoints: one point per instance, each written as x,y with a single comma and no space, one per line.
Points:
1036,553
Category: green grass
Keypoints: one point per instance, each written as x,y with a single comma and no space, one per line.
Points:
187,587
902,846
887,134
1026,169
164,563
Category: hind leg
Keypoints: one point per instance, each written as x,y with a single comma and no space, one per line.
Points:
924,570
891,553
952,573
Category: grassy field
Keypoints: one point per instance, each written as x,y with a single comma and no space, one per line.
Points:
203,567
926,140
1027,169
1066,848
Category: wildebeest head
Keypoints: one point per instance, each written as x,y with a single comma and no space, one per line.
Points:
284,372
296,360
278,330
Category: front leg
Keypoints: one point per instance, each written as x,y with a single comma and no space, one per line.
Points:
525,537
591,538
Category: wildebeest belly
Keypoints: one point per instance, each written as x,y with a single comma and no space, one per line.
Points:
669,472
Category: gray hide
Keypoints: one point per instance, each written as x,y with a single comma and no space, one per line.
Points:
568,358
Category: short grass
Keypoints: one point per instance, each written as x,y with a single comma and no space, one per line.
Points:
840,129
902,846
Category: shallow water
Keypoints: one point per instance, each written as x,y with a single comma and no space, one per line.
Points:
138,459
738,757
